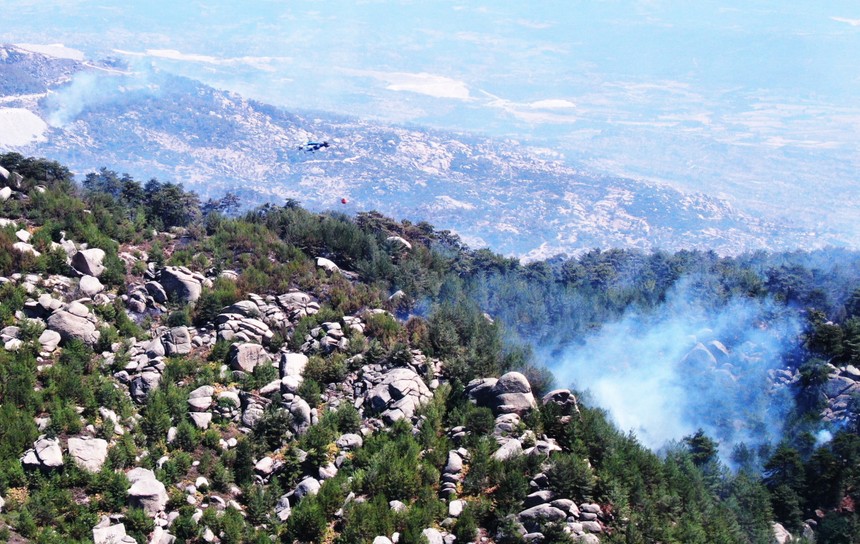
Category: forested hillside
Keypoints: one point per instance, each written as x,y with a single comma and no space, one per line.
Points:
174,371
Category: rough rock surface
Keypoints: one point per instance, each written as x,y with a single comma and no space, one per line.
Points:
111,534
71,326
511,393
146,491
89,261
246,357
88,453
398,395
90,285
46,454
177,341
181,284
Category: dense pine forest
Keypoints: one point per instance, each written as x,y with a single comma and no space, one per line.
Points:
184,371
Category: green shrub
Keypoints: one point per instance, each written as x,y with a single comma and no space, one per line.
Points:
307,523
466,528
138,524
329,370
187,436
347,418
311,391
180,317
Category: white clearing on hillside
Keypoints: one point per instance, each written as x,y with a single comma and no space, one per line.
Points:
20,127
56,50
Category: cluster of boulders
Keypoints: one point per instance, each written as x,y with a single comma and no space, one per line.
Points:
841,389
838,393
142,373
583,522
144,296
397,395
87,452
181,284
240,323
510,393
11,186
255,319
453,473
325,338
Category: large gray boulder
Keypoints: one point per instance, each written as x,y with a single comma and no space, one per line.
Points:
156,291
433,536
292,364
245,308
146,491
88,453
300,411
246,357
143,383
349,441
46,454
308,486
540,514
511,393
181,284
73,327
282,509
510,449
177,341
89,261
90,285
49,340
398,395
111,534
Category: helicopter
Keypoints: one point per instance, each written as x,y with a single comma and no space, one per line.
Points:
314,146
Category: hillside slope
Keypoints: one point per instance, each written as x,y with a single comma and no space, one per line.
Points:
504,194
185,377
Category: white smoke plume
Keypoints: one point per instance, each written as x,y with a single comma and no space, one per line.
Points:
98,87
666,373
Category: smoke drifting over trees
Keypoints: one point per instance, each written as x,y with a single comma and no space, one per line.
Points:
668,371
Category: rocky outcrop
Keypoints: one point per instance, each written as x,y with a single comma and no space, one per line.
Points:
177,341
327,337
181,284
398,395
146,491
298,305
89,262
452,473
88,453
46,454
246,357
75,322
563,398
511,393
239,328
156,291
842,386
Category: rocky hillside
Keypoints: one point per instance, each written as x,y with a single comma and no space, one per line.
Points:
243,380
516,199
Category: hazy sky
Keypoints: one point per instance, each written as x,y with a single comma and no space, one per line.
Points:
755,101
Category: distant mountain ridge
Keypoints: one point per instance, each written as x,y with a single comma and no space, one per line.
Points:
515,199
